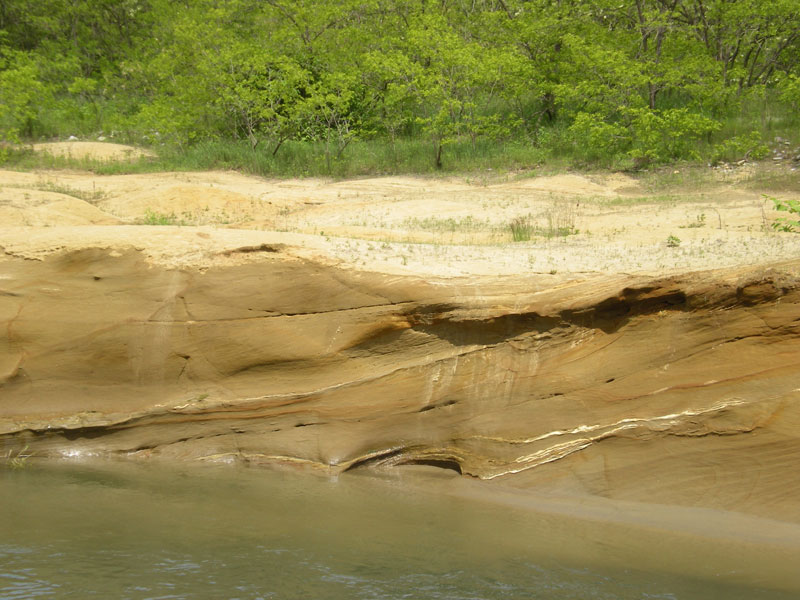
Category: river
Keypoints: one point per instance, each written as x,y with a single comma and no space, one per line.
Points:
120,530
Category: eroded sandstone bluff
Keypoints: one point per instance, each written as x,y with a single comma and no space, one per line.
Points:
682,389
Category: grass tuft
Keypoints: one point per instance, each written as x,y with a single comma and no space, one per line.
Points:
521,229
156,218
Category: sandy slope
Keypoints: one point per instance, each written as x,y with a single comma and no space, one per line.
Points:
93,150
443,227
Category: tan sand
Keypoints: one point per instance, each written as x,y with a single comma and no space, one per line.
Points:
404,225
102,151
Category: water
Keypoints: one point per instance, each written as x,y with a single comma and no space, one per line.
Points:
122,531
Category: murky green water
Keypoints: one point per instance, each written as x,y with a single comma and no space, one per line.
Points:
115,530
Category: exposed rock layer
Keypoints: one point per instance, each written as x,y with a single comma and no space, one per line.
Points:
678,390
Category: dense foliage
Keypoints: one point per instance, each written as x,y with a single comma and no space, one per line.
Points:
643,81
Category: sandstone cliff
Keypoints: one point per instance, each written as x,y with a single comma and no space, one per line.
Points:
679,389
606,364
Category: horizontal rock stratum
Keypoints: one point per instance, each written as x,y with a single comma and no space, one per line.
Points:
675,389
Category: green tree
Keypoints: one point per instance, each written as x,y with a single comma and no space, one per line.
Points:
452,81
261,94
22,95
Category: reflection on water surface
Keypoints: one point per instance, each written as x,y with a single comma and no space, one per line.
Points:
117,530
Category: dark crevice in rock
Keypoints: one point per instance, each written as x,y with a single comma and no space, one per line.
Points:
88,433
441,463
440,405
608,315
427,314
372,460
250,249
612,313
490,331
273,314
404,456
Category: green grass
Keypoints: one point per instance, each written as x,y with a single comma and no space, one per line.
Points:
744,134
774,180
306,159
663,181
359,159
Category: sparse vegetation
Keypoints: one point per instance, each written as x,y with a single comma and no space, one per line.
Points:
700,221
157,218
450,224
91,196
18,459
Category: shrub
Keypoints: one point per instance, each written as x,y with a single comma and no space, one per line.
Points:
786,223
664,135
748,145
